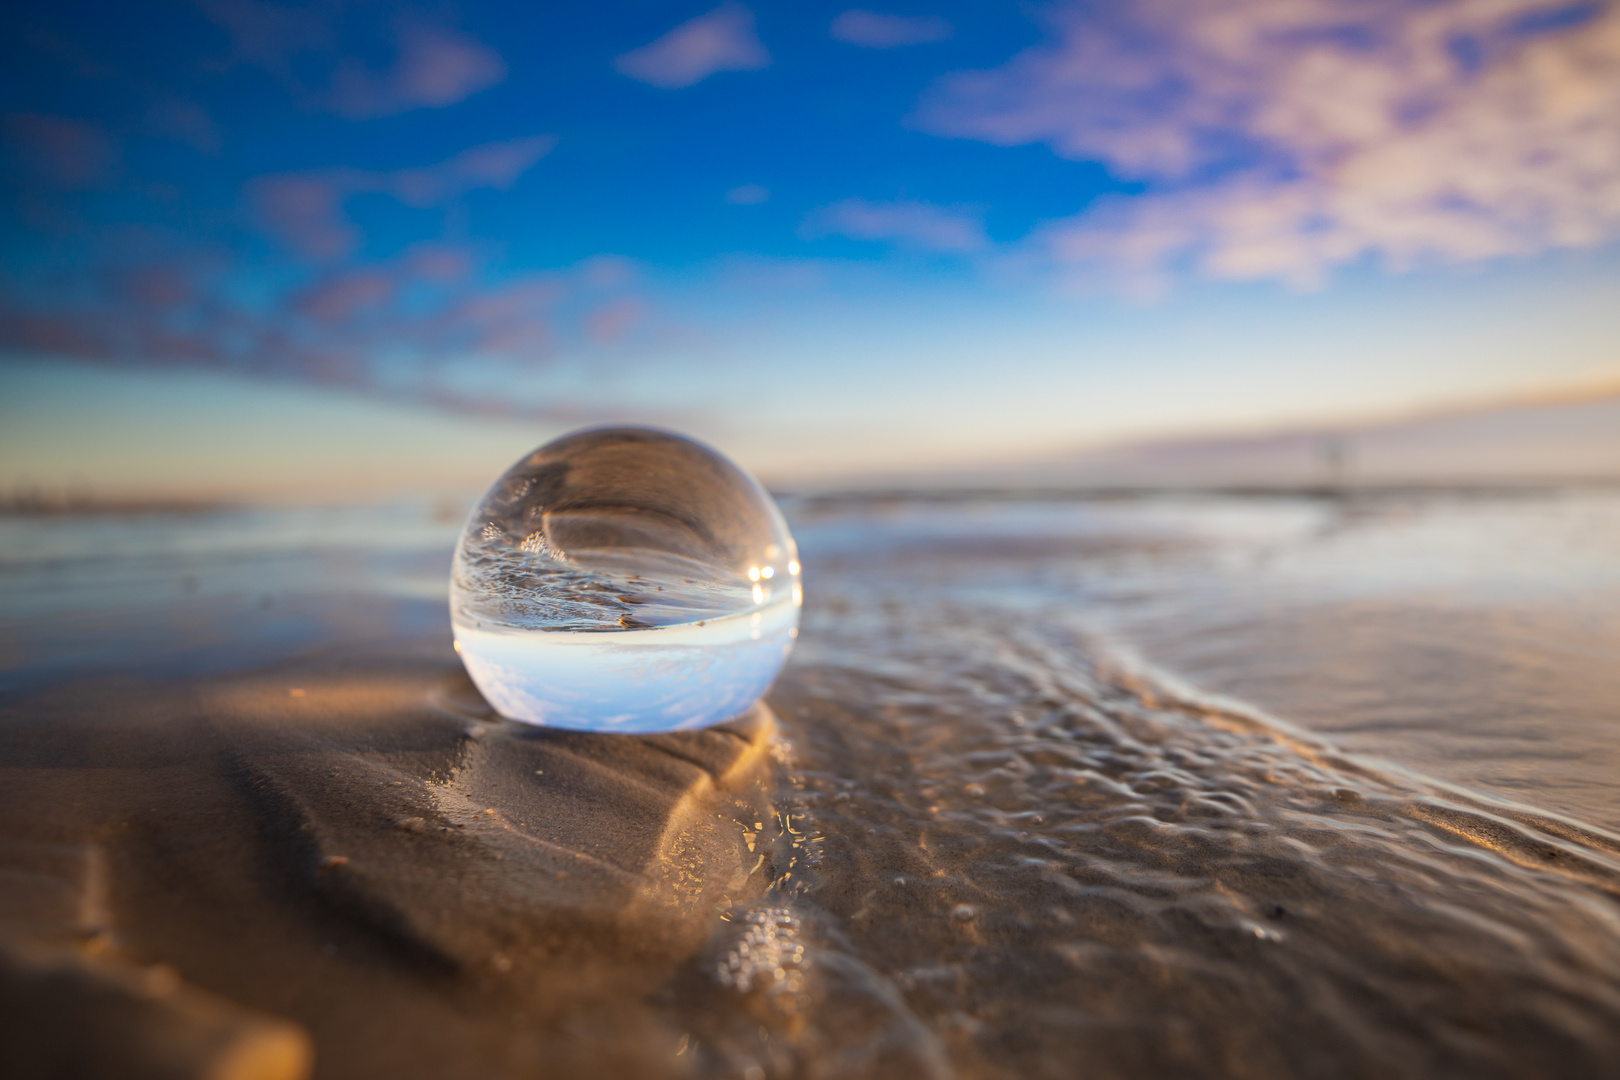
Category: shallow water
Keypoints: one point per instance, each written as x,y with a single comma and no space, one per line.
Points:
1016,833
1469,639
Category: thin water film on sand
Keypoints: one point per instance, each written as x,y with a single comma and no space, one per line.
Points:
972,836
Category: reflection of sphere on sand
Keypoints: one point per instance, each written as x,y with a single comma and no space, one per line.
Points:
624,579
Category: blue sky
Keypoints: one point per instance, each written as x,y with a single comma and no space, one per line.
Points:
414,240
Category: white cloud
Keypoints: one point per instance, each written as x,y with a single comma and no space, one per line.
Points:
1280,138
722,40
874,31
910,224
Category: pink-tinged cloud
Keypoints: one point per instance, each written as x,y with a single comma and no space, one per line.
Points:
612,322
493,309
910,224
62,152
399,329
514,321
871,30
343,297
68,56
607,271
305,210
1282,138
439,67
722,40
269,35
522,339
494,165
190,123
748,195
439,264
434,68
156,287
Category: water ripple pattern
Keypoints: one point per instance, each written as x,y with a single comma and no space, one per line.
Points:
1050,857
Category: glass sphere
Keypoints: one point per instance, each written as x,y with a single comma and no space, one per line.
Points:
625,579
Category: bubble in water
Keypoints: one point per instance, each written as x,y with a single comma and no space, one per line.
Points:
625,579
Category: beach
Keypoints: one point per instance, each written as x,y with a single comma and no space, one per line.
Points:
1197,786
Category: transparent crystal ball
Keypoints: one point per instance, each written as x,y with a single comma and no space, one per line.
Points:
625,579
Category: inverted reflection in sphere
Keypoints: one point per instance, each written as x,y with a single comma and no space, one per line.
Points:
625,579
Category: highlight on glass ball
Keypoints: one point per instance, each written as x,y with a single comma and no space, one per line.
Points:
625,579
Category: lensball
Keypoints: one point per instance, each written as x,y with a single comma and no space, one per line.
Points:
625,579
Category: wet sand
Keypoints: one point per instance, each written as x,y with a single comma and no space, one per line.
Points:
963,840
971,868
360,859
